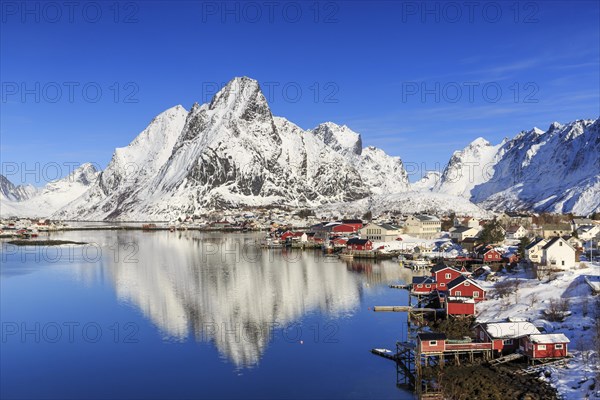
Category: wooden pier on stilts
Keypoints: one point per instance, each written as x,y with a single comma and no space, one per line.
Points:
412,361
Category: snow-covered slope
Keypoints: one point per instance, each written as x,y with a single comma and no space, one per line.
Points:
233,152
557,170
468,168
130,168
427,182
53,196
413,202
11,192
380,172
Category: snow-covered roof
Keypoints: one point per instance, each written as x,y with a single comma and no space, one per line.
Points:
460,299
423,217
510,330
549,338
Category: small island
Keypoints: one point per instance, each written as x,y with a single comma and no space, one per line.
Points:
27,242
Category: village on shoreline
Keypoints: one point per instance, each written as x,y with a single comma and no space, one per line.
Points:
516,293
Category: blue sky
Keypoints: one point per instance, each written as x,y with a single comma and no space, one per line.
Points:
419,80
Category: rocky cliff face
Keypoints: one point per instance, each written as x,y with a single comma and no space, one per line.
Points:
232,152
556,170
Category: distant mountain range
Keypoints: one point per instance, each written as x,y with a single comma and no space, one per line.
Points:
557,170
233,153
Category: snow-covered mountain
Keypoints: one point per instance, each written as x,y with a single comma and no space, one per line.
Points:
47,200
557,170
233,152
379,171
11,192
468,168
427,182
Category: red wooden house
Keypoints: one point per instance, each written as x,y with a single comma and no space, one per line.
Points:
505,336
544,346
339,242
492,256
431,342
355,223
443,274
423,284
287,234
465,287
460,306
343,228
359,244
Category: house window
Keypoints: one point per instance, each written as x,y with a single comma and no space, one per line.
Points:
560,243
442,284
475,294
427,286
541,347
433,342
419,286
481,335
558,346
467,284
448,276
458,293
562,262
507,341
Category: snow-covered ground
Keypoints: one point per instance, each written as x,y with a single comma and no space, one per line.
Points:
531,296
411,202
440,247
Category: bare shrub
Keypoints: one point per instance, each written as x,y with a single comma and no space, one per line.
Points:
533,299
557,310
504,288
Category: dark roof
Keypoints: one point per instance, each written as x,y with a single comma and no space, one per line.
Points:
422,279
551,242
357,241
530,245
431,336
460,279
461,229
456,281
389,227
557,227
440,267
351,221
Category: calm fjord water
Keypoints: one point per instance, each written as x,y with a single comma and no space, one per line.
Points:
193,315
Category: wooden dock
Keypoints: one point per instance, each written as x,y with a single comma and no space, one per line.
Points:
385,353
505,359
561,362
403,309
403,287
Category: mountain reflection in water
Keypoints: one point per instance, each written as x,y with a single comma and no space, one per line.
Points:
225,290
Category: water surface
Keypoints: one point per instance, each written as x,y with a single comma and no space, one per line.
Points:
193,315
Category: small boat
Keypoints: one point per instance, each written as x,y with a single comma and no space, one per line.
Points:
270,243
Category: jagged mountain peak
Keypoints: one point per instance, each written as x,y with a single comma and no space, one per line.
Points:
85,174
232,152
479,142
557,170
11,192
241,98
554,126
339,137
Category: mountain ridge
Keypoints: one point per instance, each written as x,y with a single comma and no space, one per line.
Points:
232,152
